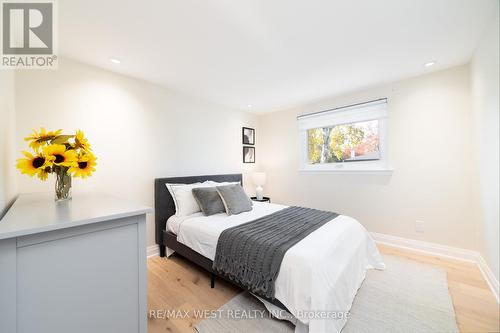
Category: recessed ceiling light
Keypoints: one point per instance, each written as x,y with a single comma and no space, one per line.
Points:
115,61
249,106
429,64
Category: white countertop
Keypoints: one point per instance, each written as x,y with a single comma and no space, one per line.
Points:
38,212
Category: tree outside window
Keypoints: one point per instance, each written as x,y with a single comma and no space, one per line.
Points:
344,143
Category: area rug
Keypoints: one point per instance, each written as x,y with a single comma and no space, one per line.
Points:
406,297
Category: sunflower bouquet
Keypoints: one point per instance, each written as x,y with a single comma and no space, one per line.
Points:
60,154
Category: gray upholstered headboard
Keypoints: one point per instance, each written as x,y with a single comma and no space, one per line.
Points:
164,204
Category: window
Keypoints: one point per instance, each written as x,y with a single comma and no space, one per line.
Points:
351,138
344,143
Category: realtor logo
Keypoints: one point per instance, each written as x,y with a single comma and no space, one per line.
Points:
28,34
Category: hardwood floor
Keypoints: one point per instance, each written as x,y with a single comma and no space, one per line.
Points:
177,285
476,308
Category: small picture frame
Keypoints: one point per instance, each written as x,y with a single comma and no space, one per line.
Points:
248,154
248,136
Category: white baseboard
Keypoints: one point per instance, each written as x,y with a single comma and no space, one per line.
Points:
443,251
153,251
425,247
489,276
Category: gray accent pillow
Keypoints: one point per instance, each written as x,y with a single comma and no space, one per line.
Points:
235,199
209,200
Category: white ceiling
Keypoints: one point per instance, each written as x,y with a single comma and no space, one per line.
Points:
271,54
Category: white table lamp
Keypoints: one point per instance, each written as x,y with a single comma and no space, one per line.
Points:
259,179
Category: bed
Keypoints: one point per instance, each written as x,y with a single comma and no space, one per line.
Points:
318,277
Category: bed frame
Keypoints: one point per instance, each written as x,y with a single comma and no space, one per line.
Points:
164,208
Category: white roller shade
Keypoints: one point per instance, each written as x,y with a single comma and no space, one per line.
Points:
344,115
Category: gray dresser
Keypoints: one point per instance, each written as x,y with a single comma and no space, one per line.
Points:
74,266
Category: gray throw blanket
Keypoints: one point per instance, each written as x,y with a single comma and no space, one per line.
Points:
251,253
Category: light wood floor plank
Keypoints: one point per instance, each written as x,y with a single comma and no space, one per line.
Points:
176,284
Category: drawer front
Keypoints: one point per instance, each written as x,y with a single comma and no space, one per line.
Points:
80,283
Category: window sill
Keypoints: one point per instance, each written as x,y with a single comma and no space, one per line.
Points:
342,171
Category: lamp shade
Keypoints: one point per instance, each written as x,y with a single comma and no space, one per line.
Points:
259,178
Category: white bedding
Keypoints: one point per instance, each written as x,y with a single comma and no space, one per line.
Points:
320,275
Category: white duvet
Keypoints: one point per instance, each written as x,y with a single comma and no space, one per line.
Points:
319,276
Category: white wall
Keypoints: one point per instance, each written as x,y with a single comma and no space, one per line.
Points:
138,131
7,144
485,92
430,149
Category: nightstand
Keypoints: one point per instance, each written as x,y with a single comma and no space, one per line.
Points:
264,199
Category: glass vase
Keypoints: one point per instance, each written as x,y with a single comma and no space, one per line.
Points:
63,185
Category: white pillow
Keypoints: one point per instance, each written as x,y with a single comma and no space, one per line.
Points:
184,201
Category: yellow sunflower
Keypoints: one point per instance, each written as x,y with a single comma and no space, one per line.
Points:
34,165
81,141
85,165
38,139
59,155
44,174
